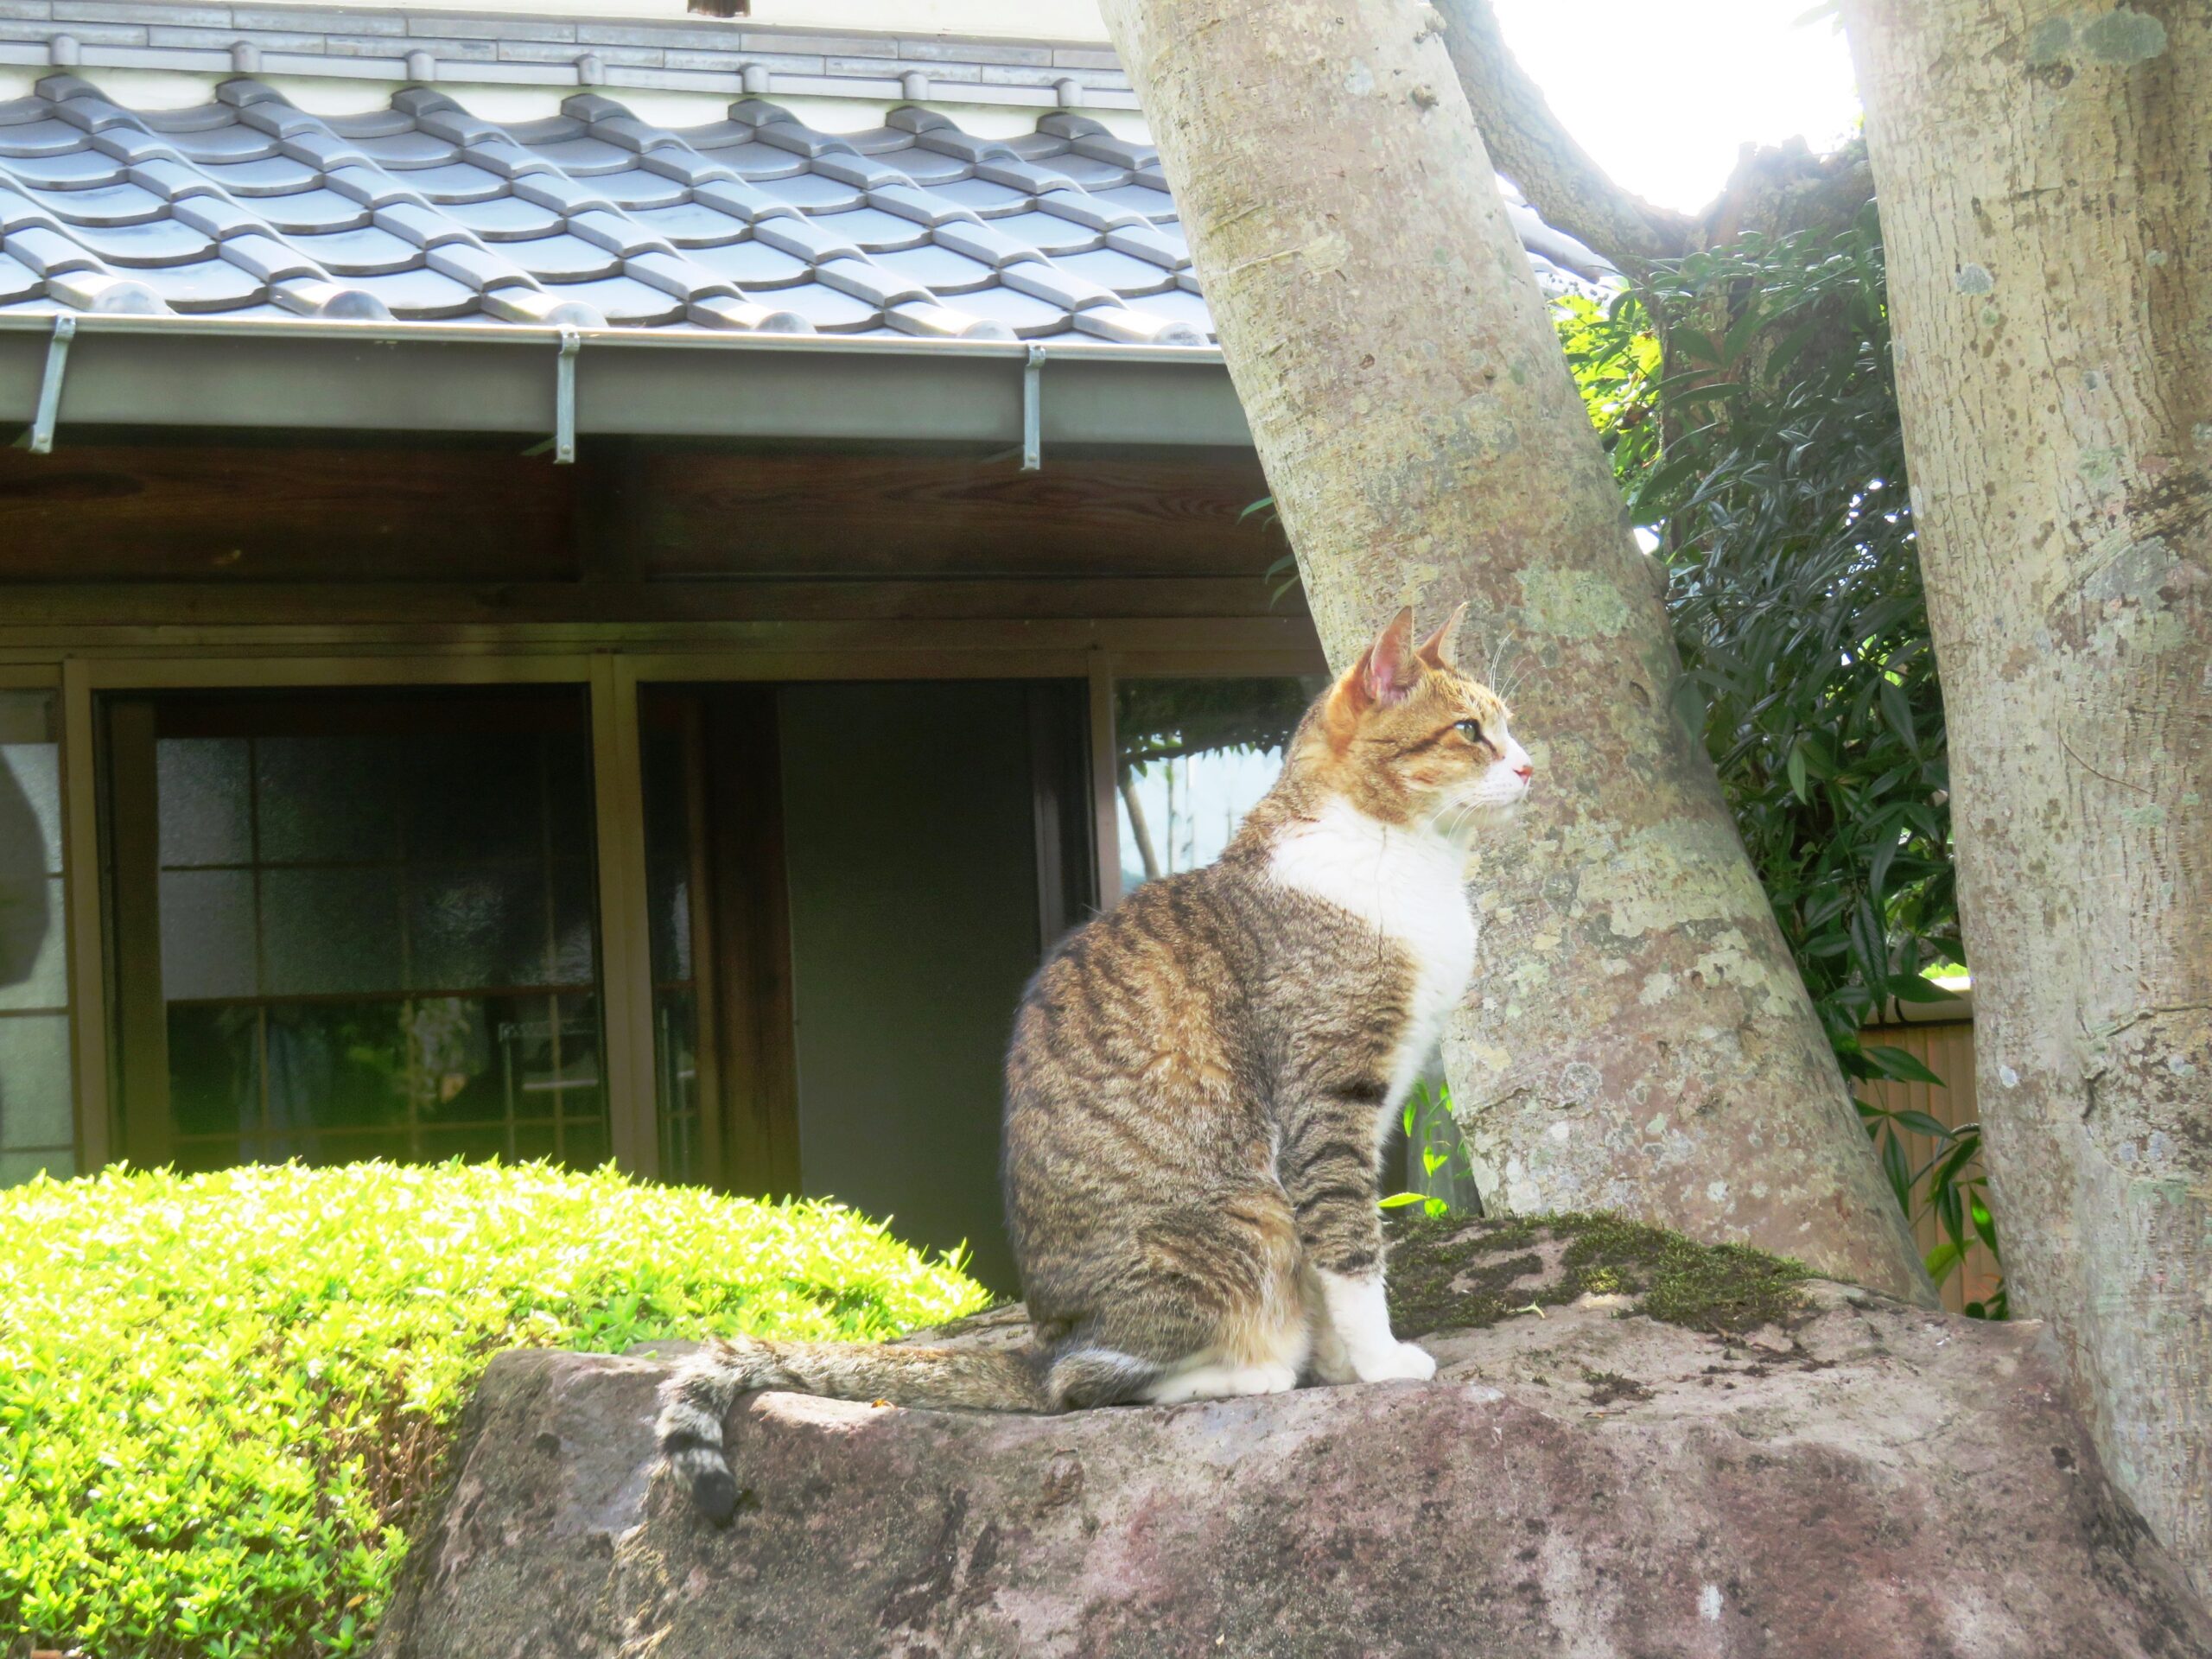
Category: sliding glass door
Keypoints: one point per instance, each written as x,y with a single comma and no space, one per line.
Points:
355,924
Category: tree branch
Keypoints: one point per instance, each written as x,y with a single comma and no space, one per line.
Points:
1527,143
1138,826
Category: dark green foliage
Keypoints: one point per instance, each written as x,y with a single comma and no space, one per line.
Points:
1781,505
1165,720
1762,447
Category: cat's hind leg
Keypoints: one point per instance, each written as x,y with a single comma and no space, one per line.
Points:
1089,1375
1352,1342
1331,1356
1221,1380
1254,1336
1193,1302
1093,1375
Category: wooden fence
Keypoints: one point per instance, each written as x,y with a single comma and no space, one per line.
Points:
1946,1049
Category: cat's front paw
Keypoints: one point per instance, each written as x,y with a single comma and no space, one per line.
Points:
1401,1360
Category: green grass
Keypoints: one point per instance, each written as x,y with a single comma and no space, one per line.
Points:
225,1398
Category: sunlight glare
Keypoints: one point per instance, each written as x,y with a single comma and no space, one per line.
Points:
1664,93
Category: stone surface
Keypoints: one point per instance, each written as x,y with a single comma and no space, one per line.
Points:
1860,1479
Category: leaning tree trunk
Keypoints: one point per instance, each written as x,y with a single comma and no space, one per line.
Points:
1638,1038
2047,204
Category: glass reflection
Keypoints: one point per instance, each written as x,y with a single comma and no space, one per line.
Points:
378,929
37,1115
672,783
1194,756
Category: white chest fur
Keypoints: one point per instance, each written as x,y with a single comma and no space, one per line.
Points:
1410,887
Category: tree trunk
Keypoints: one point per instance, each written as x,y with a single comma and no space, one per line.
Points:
1637,1038
2048,209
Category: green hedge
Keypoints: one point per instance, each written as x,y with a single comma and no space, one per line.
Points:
224,1398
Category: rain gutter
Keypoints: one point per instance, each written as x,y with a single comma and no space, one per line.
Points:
233,373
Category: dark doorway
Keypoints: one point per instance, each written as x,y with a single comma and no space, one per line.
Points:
849,885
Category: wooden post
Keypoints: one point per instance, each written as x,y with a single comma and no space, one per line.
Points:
1107,834
142,1015
625,941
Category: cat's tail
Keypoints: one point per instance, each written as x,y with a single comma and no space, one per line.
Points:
696,1400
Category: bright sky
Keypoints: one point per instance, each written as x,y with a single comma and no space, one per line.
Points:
1662,92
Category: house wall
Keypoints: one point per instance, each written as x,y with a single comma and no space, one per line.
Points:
1055,20
150,565
478,532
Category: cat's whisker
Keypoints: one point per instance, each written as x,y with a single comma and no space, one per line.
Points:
1519,673
1461,813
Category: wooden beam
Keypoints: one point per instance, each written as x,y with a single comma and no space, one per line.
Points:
804,513
259,513
709,1045
750,943
605,529
1063,821
242,513
216,671
431,605
837,649
141,1011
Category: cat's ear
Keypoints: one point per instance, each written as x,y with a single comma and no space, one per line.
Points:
1383,675
1438,650
1388,667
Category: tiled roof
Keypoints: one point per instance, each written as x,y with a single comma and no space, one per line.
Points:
249,206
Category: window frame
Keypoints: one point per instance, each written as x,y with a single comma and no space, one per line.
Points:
48,676
612,662
147,997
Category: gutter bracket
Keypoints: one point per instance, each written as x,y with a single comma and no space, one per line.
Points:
1033,410
50,388
564,398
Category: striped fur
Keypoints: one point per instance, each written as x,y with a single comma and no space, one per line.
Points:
1199,1086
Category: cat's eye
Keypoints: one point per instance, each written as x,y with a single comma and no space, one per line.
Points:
1471,730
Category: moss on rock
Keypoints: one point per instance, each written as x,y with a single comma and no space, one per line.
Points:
1457,1273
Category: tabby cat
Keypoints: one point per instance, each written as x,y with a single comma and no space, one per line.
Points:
1200,1084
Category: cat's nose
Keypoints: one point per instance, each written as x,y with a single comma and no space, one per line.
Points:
1524,773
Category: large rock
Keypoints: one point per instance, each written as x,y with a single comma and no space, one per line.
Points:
1847,1476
